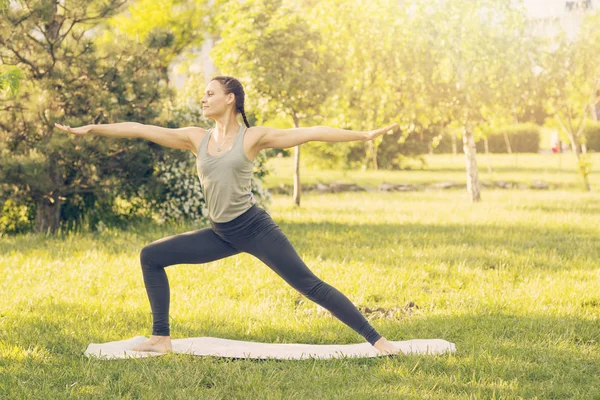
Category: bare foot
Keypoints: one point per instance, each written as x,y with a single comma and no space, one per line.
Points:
159,344
386,347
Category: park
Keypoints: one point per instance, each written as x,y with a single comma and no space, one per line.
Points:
473,219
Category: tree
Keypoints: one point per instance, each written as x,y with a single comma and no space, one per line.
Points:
71,77
9,77
571,71
465,50
363,41
282,62
174,26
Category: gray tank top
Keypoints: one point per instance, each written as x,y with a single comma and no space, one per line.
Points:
225,179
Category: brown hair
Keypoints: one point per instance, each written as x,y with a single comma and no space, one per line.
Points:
232,85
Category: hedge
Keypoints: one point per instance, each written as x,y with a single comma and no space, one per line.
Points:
523,138
592,134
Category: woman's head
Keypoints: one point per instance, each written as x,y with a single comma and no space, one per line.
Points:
223,93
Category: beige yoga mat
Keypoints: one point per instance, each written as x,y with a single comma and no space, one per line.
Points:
211,346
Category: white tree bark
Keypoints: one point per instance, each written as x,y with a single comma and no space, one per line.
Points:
297,188
297,191
471,164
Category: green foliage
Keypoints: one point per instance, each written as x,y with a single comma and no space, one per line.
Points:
108,81
585,165
523,138
9,80
15,218
281,61
404,151
179,192
592,136
340,155
366,43
570,75
396,151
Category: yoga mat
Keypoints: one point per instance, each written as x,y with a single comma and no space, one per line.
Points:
211,346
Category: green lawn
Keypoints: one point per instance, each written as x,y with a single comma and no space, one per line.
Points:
557,170
513,281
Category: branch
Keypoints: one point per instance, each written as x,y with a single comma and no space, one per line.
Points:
103,13
570,115
582,124
36,41
569,135
563,127
96,190
26,61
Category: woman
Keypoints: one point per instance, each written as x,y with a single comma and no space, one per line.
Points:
224,162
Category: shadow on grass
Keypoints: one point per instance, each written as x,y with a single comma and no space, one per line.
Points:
499,354
479,246
487,247
584,207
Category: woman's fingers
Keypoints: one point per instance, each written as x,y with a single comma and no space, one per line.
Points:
63,127
377,132
76,131
387,128
392,126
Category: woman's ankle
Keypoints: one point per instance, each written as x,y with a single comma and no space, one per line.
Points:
161,337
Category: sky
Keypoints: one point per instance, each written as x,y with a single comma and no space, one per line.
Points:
546,8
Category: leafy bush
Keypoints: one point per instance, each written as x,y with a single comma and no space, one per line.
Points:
396,151
592,136
15,218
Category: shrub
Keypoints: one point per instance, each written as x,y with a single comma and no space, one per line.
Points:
15,218
592,135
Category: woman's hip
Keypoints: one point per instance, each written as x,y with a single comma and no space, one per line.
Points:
246,226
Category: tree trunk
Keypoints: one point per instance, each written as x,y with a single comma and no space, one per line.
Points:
454,147
582,161
374,159
487,155
297,175
507,142
471,164
47,218
371,155
297,188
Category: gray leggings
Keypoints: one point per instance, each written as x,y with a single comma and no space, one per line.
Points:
252,232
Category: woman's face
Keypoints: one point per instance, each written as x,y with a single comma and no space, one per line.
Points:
214,101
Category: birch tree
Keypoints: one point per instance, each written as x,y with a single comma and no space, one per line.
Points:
475,46
571,71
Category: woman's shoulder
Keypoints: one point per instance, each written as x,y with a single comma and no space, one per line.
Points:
255,135
196,135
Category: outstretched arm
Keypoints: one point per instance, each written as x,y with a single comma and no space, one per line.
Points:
284,138
178,138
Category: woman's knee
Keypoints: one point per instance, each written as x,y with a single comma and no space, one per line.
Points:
146,256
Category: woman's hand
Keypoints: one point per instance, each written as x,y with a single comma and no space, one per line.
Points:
76,131
377,132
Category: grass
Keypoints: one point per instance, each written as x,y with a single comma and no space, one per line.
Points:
557,170
512,281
